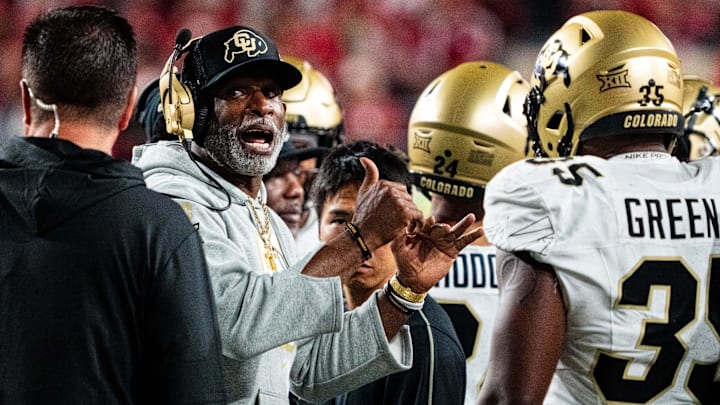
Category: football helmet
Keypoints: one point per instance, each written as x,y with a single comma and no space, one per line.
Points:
313,112
467,125
605,72
701,106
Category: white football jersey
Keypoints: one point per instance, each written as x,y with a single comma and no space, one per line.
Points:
469,294
635,244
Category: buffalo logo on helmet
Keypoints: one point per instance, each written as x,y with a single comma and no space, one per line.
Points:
614,79
244,42
554,59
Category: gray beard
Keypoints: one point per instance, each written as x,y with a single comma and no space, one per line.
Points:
223,147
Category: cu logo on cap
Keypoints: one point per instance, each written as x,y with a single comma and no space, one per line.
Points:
244,42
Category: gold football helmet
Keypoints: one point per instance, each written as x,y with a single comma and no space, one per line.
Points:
605,72
467,125
701,106
313,112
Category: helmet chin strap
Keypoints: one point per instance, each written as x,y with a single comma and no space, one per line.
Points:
46,107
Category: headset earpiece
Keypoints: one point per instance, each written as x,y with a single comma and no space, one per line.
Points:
177,105
176,98
201,118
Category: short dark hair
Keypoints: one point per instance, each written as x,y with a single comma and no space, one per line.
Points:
83,58
342,167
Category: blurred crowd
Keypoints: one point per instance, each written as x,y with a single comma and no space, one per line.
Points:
379,54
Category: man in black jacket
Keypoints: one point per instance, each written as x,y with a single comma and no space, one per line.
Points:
104,291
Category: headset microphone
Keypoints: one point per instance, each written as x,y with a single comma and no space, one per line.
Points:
176,97
183,37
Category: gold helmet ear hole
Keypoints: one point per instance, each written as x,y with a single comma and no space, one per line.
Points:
555,120
584,36
506,106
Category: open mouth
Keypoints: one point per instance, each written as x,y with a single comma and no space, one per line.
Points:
258,141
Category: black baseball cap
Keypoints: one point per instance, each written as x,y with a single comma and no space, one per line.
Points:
233,50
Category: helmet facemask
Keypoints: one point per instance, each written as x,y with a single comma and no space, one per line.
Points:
702,117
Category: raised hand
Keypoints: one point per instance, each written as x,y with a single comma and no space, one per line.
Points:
383,209
426,252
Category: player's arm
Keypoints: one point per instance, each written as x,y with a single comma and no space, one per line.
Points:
528,333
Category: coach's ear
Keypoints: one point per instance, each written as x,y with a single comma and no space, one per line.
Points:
26,102
129,108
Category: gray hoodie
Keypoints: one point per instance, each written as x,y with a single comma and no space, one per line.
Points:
276,327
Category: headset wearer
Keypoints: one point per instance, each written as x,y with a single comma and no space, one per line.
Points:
187,102
465,126
629,74
313,115
212,59
702,117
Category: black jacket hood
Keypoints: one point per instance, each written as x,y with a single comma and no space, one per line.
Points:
44,182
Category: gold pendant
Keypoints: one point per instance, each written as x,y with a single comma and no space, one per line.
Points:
270,257
264,233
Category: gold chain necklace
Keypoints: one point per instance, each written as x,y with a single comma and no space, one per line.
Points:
264,232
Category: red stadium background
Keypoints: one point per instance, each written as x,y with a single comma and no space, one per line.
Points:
379,54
